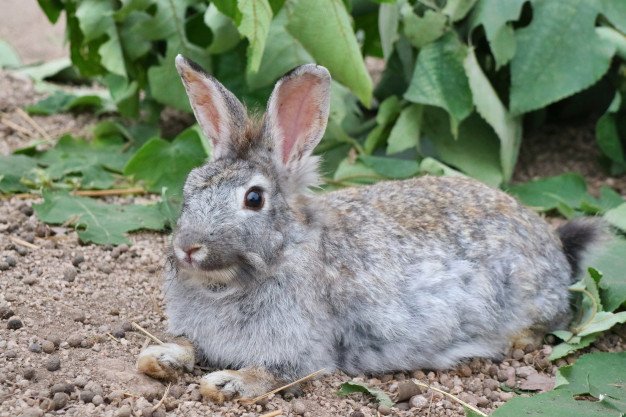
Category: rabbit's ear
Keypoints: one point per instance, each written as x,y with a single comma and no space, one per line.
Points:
221,116
297,114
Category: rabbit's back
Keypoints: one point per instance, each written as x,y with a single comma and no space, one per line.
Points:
434,269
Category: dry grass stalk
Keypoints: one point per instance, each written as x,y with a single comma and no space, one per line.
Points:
447,394
291,384
147,333
34,124
22,242
272,413
113,337
160,403
17,127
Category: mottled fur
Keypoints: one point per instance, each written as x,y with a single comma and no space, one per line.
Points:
399,275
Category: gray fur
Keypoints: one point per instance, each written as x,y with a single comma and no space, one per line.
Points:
400,275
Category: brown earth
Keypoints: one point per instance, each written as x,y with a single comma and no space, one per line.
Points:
75,304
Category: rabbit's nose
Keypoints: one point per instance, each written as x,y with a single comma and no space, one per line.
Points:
190,250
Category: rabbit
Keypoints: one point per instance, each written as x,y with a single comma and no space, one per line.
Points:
270,282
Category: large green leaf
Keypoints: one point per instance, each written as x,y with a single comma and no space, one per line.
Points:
98,222
422,30
225,33
8,56
388,19
608,135
52,9
323,27
558,54
615,12
494,16
163,164
406,132
550,193
475,151
610,259
12,169
255,25
458,9
392,168
439,79
489,106
61,101
282,53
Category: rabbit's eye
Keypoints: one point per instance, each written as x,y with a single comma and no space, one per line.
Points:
254,199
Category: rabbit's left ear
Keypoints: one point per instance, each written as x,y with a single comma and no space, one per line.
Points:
297,114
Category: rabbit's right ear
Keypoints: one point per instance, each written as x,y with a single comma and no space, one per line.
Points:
221,116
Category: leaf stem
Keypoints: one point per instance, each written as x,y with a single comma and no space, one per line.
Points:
594,306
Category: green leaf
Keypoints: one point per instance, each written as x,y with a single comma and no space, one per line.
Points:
617,217
610,259
98,222
94,161
388,19
563,349
603,320
355,172
350,387
387,113
163,164
125,94
439,79
607,133
422,30
458,9
614,38
8,56
47,69
615,12
229,8
255,25
406,132
494,16
393,168
489,106
225,33
60,102
433,167
282,53
558,54
12,169
52,9
475,151
548,193
323,27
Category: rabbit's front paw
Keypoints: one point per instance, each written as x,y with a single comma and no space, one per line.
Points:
166,360
226,385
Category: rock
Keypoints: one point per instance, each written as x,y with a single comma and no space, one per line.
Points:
69,274
357,414
119,333
14,323
47,346
116,371
4,266
10,261
465,370
79,317
518,354
123,411
406,390
62,387
418,401
492,384
298,407
53,363
176,391
74,340
28,373
25,209
482,401
6,312
505,396
54,339
32,412
60,400
537,382
78,259
146,411
94,387
404,406
30,280
384,410
97,400
525,371
81,381
86,396
10,354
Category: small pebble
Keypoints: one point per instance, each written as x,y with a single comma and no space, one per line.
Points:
28,373
29,237
78,259
35,347
418,401
62,387
10,354
60,400
4,266
47,346
518,354
54,339
21,251
53,363
69,274
384,410
465,370
6,312
74,340
298,407
119,333
123,411
87,396
10,260
97,400
79,317
357,414
14,323
26,210
30,280
32,412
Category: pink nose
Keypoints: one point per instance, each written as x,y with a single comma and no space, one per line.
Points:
190,251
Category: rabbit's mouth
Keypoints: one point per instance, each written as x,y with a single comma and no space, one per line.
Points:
213,276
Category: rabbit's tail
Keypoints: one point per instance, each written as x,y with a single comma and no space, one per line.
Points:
577,236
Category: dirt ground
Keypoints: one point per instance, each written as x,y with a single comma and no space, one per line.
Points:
67,346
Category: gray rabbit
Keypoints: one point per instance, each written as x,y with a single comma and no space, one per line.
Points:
273,282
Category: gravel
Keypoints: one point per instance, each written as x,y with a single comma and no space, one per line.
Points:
53,363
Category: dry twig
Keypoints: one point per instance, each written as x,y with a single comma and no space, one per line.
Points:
291,384
273,413
157,405
447,394
147,333
22,242
16,127
113,337
34,124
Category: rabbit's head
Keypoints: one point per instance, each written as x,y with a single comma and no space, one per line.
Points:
238,208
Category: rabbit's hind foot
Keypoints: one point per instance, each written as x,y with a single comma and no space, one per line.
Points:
530,336
167,360
221,386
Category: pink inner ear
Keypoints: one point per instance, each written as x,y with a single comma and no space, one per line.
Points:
297,111
201,93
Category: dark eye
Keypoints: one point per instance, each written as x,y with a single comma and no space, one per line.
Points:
254,199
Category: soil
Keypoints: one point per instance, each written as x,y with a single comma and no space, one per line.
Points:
67,346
